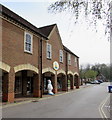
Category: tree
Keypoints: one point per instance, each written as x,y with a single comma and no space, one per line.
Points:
93,10
103,69
82,72
90,74
111,73
96,70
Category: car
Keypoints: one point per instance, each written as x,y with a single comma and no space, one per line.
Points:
88,82
101,81
95,82
92,82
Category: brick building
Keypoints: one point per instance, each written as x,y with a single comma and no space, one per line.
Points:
28,56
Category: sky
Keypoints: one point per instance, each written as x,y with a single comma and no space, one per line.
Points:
80,38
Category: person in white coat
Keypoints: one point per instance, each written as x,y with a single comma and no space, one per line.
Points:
50,88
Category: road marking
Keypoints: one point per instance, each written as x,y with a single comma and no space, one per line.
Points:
102,113
15,104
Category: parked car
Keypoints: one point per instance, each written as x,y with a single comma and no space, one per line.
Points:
95,82
88,81
101,81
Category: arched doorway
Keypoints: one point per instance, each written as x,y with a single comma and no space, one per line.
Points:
76,81
6,82
26,84
61,82
48,75
70,81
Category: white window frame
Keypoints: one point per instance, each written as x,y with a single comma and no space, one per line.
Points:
75,61
69,59
31,47
49,49
61,56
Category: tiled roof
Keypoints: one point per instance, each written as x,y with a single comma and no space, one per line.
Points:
42,31
66,49
13,16
47,29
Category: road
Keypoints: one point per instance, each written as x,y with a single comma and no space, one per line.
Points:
82,103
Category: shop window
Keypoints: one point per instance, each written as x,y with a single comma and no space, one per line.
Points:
29,85
28,42
18,85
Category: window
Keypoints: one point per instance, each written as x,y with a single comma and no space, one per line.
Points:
75,62
75,59
49,51
18,85
28,43
69,59
61,56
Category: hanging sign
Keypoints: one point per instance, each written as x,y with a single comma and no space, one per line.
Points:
55,65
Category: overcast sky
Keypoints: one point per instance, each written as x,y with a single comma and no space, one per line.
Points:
90,46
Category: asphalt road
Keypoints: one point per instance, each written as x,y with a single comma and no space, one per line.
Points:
81,103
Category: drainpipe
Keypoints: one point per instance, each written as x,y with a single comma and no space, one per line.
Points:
40,69
67,71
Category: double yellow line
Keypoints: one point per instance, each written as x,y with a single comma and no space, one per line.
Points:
102,113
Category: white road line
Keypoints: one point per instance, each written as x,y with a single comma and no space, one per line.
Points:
102,113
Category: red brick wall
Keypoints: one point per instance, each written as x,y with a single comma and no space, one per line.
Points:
13,46
73,67
56,46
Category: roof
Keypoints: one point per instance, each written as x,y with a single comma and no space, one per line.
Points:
42,31
66,49
47,29
10,14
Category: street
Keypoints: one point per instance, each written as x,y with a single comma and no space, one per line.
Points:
81,103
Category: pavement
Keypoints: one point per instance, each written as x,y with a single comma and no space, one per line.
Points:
32,99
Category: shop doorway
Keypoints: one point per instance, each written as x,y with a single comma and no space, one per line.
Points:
47,76
24,84
76,81
46,83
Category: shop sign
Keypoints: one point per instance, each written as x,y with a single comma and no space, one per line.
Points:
55,65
